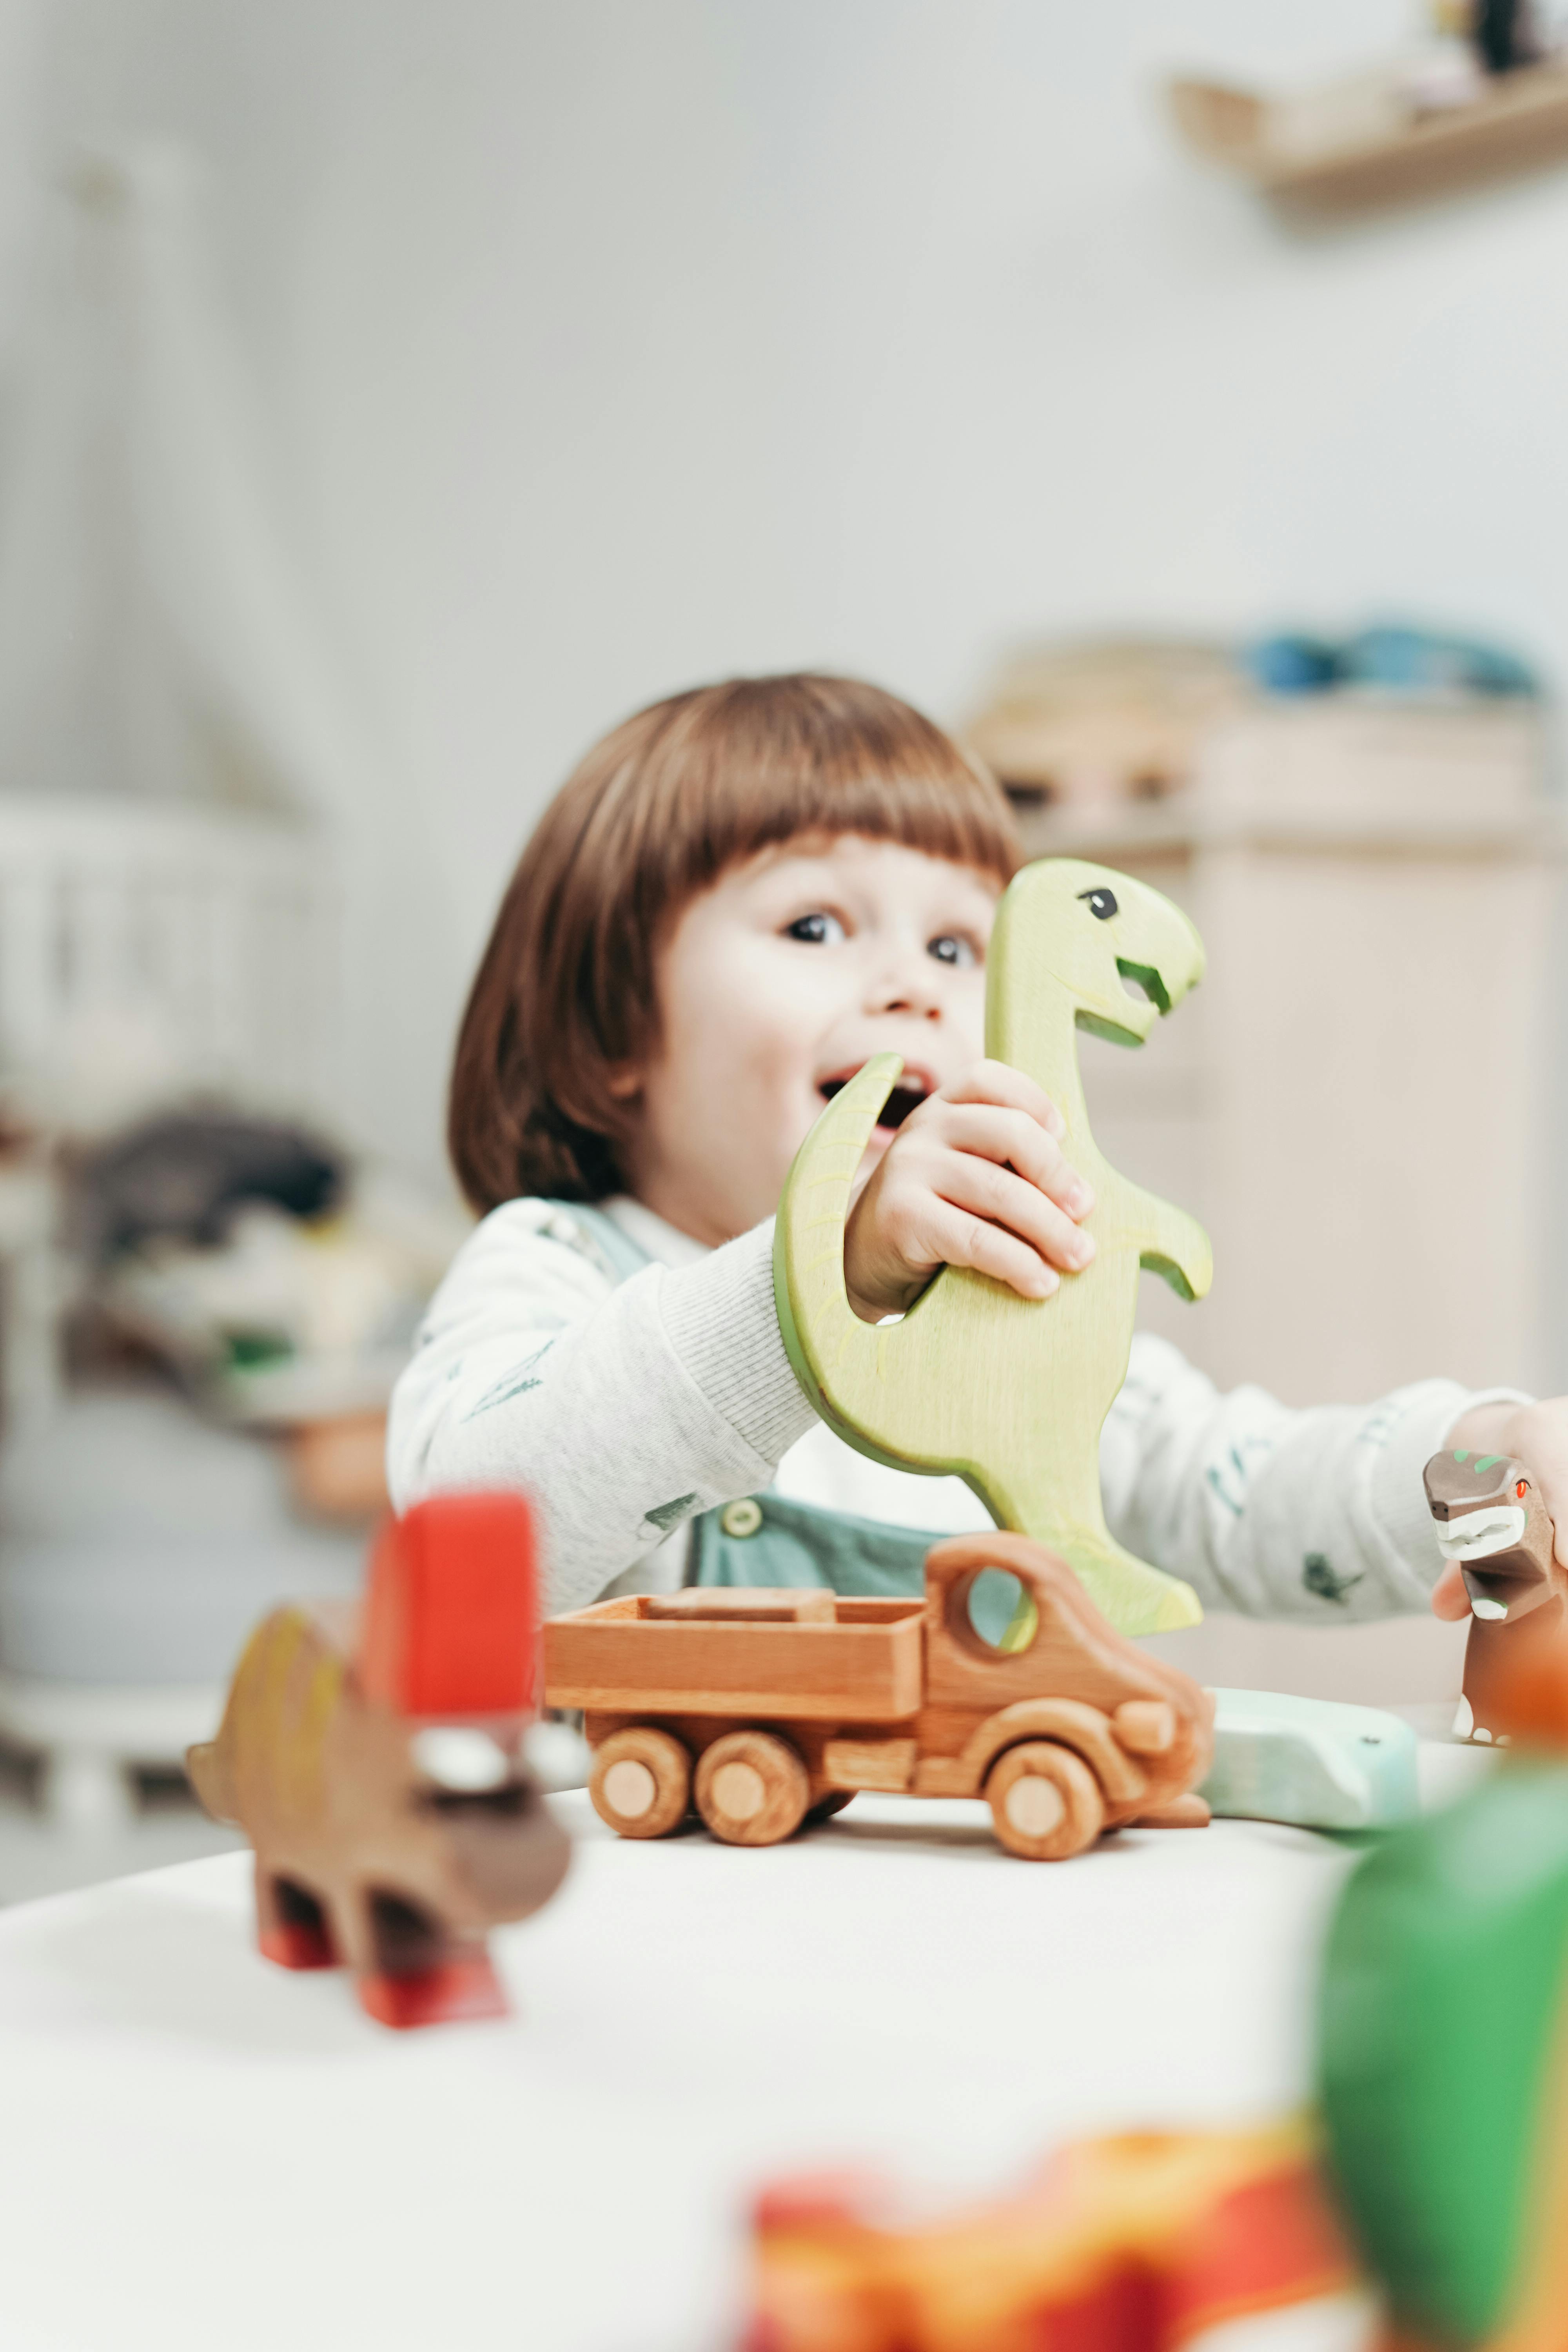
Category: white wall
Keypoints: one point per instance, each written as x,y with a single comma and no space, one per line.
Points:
608,346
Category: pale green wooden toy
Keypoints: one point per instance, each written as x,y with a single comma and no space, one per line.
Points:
1007,1393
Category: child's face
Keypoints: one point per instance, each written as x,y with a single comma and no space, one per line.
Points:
776,985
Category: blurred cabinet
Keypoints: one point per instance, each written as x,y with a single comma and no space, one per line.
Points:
1361,1101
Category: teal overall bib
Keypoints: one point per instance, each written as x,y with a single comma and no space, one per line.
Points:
763,1539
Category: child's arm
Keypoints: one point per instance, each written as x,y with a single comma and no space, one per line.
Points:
625,1413
1319,1515
622,1412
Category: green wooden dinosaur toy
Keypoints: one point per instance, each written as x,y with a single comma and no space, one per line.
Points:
1010,1393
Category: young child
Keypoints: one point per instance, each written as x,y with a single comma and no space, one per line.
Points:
741,895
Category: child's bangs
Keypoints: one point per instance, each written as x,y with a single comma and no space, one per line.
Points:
848,759
950,817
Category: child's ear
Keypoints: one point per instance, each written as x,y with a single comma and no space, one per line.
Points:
623,1080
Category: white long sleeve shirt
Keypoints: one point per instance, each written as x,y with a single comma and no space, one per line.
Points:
624,1408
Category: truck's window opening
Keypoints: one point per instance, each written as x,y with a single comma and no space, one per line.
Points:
993,1603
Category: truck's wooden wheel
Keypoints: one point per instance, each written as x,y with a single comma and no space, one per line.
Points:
1044,1801
751,1789
641,1782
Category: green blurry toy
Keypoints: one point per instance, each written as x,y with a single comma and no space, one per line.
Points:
1445,2052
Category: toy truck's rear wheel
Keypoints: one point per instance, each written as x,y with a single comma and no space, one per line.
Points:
641,1782
751,1788
1044,1801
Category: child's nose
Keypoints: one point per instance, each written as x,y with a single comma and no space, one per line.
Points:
912,988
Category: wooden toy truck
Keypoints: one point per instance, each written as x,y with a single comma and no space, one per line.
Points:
763,1709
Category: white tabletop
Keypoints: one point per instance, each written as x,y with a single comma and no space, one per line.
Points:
198,2150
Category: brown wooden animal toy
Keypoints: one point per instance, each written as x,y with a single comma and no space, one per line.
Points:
763,1708
373,1760
1491,1519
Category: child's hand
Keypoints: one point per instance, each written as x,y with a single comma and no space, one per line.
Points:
1535,1434
974,1177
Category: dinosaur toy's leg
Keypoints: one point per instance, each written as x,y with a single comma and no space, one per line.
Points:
420,1974
1045,1481
291,1926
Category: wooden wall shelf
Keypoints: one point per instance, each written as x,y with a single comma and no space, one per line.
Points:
1358,147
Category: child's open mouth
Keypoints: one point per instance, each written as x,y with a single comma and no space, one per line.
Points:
907,1096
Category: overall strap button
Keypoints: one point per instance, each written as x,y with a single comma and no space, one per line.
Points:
742,1517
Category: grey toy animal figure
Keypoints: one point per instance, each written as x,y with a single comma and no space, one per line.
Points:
1491,1519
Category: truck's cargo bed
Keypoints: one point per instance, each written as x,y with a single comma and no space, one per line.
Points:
805,1657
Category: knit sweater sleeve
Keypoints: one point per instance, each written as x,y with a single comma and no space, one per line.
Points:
621,1412
1318,1516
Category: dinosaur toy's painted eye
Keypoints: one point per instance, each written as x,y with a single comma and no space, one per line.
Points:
1101,903
1523,1489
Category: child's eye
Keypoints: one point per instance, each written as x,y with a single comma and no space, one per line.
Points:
816,930
950,948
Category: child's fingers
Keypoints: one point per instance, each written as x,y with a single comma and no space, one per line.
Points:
1013,1137
1449,1599
998,1082
987,1189
960,1238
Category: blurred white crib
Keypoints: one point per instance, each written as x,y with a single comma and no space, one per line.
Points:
148,952
150,949
170,924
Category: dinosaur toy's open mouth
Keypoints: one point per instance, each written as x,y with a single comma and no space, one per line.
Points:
1494,1527
912,1090
1142,982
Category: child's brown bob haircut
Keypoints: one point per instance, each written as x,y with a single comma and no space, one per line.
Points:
652,815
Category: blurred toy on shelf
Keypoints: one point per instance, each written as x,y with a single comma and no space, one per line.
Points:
281,1285
1390,658
1095,721
1484,95
374,1757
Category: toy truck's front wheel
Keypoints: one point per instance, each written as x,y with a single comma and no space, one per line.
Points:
1046,1803
641,1782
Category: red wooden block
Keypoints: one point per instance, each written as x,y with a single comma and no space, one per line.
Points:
451,1617
292,1947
